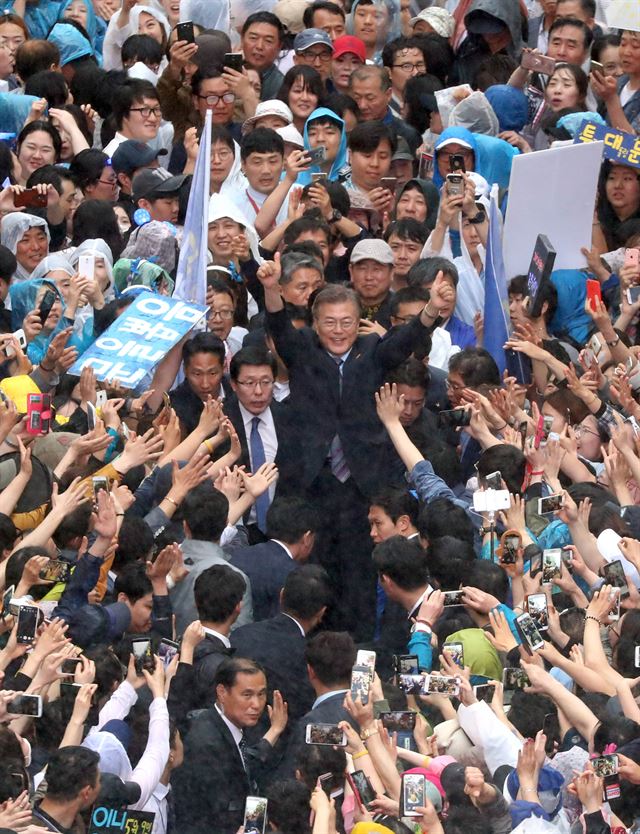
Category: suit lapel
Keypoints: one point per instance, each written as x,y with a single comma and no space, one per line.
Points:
225,734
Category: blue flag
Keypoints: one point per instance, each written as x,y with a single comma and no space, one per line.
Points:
191,278
496,299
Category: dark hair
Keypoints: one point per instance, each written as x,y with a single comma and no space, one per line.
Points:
289,799
206,510
407,229
34,56
135,541
606,214
96,218
547,292
604,42
203,343
133,582
529,711
8,266
562,400
9,17
492,70
69,770
581,79
127,94
366,136
264,17
141,48
441,517
219,133
45,127
618,730
320,5
255,356
289,518
391,48
438,54
587,6
261,140
331,655
16,564
204,73
341,103
408,295
228,671
75,525
218,590
334,294
476,366
311,81
448,561
108,669
49,85
315,759
87,167
403,561
427,270
50,175
559,22
306,224
306,591
508,460
488,577
411,373
420,100
396,502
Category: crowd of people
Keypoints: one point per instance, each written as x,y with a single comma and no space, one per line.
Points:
332,563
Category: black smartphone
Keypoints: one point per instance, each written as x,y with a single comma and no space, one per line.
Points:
455,417
27,624
406,664
233,60
456,162
363,787
143,655
48,300
184,32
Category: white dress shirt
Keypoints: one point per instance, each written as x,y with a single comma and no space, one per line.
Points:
236,732
221,637
267,432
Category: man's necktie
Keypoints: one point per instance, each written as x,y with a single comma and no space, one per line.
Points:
257,459
337,457
242,744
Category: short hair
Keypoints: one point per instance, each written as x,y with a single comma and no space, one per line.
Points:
203,343
255,356
306,591
264,17
87,167
547,292
408,295
303,224
396,502
341,103
366,71
291,262
424,272
565,402
135,541
141,48
69,770
288,801
8,264
127,94
579,76
331,655
411,373
51,175
508,460
261,140
16,564
49,85
604,42
206,511
488,577
366,136
219,133
288,519
228,671
133,582
441,517
587,6
335,294
45,127
34,56
320,5
204,73
407,229
218,590
476,366
390,49
403,561
560,22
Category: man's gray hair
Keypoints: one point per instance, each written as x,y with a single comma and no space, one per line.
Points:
291,262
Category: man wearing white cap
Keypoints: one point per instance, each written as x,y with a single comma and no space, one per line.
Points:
370,268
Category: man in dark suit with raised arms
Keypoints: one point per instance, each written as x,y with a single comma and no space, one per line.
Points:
337,439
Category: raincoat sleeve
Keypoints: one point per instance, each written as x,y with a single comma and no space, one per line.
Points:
149,769
498,744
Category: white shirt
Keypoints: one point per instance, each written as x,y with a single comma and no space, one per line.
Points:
157,805
294,619
267,432
280,390
221,637
236,732
326,695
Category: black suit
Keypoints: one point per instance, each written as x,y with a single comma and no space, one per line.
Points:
188,405
211,786
232,411
279,646
267,565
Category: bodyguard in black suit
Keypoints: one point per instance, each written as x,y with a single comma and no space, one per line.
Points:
291,526
219,769
337,440
279,643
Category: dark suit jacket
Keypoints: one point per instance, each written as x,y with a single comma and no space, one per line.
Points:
267,565
211,786
279,646
188,406
321,410
232,411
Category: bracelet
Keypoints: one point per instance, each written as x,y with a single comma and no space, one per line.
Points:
591,617
424,622
529,790
207,445
539,472
171,501
429,313
502,428
612,343
366,734
46,370
427,761
119,515
359,755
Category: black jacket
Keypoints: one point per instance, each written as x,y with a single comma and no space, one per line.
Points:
188,405
267,565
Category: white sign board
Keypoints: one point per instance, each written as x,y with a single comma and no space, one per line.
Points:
551,193
624,14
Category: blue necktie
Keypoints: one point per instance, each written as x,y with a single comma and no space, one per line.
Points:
337,457
257,459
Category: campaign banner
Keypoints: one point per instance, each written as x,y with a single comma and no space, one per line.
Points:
108,820
620,147
139,338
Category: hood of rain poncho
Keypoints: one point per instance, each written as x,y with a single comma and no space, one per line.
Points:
155,242
236,180
220,207
100,249
71,43
154,11
573,121
384,36
479,654
304,177
493,156
14,110
431,196
113,756
12,229
139,273
508,13
476,114
95,26
510,105
52,262
570,317
23,298
550,782
206,14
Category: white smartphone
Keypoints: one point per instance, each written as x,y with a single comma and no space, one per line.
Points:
26,705
87,266
91,416
101,398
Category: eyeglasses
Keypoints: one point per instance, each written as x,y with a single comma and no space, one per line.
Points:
213,100
112,183
580,430
333,324
221,155
312,57
225,315
403,319
454,386
156,112
256,383
421,67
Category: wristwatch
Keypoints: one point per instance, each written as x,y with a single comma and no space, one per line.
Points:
614,342
336,216
365,734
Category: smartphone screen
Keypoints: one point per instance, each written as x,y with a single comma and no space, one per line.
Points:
530,632
26,705
27,624
365,790
538,610
551,564
484,692
399,721
413,794
325,734
167,650
56,571
514,678
613,574
455,652
255,815
550,504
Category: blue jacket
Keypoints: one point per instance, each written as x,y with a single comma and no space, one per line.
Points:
493,157
304,177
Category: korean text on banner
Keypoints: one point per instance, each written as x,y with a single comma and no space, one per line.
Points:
108,820
139,338
620,147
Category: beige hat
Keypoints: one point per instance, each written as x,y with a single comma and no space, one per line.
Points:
272,107
291,134
290,13
439,19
